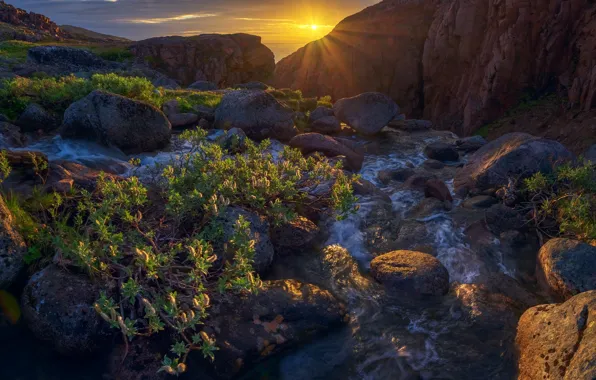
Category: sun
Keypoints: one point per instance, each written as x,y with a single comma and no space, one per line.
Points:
313,27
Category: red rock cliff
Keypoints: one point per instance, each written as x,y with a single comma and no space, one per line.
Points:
19,17
460,63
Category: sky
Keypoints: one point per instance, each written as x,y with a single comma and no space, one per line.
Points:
284,25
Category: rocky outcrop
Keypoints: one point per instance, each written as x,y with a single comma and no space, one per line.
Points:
458,63
411,272
110,119
568,267
12,248
513,156
557,341
283,313
257,113
37,26
58,308
67,57
35,118
222,59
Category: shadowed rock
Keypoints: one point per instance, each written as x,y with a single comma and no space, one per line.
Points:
367,113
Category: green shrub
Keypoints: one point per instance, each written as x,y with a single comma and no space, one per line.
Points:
16,50
567,197
158,250
113,53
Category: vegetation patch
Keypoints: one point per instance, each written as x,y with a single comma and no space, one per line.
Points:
294,100
15,50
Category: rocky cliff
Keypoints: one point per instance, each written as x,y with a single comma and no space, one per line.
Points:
460,63
223,59
27,25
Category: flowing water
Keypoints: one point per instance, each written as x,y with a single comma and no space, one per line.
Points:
387,337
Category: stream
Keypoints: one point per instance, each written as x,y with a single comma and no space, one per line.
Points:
386,337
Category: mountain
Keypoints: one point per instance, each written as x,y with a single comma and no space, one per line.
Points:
459,63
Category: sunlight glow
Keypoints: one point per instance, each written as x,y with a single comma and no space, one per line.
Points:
313,27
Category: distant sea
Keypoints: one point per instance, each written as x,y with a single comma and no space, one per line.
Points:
282,50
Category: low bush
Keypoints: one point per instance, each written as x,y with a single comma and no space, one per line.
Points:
154,242
564,203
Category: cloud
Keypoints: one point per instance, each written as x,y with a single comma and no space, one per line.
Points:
161,20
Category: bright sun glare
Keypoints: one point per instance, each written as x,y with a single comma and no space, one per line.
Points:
313,27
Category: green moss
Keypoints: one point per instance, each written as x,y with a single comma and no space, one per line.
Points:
15,50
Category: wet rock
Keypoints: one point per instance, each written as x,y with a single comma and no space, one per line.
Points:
557,341
418,182
568,267
480,201
366,188
367,113
252,86
470,144
441,152
435,188
294,237
433,164
320,112
110,119
203,85
12,248
284,313
513,156
410,271
259,232
78,175
10,136
411,125
500,218
58,308
183,120
35,118
426,208
257,113
315,142
326,125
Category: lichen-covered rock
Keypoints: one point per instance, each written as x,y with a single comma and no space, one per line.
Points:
12,248
367,113
257,113
58,308
315,142
411,272
282,314
511,156
568,267
35,118
556,341
110,119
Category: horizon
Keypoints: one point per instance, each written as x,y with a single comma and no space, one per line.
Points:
283,26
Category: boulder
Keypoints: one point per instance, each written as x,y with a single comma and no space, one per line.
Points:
35,118
556,341
66,56
165,82
204,112
433,164
411,272
252,86
435,188
315,142
326,125
410,125
182,120
127,124
10,136
203,85
470,144
257,113
224,59
12,248
259,232
441,152
418,181
568,267
294,237
367,113
319,113
171,107
58,308
512,156
282,314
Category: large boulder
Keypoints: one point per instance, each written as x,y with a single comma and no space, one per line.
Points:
512,156
257,113
12,248
35,118
326,125
568,267
127,124
315,142
367,113
182,120
441,152
10,136
66,56
58,308
470,144
203,85
282,314
222,59
259,232
411,272
435,188
556,341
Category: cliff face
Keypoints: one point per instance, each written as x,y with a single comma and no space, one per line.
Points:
223,59
460,63
33,25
